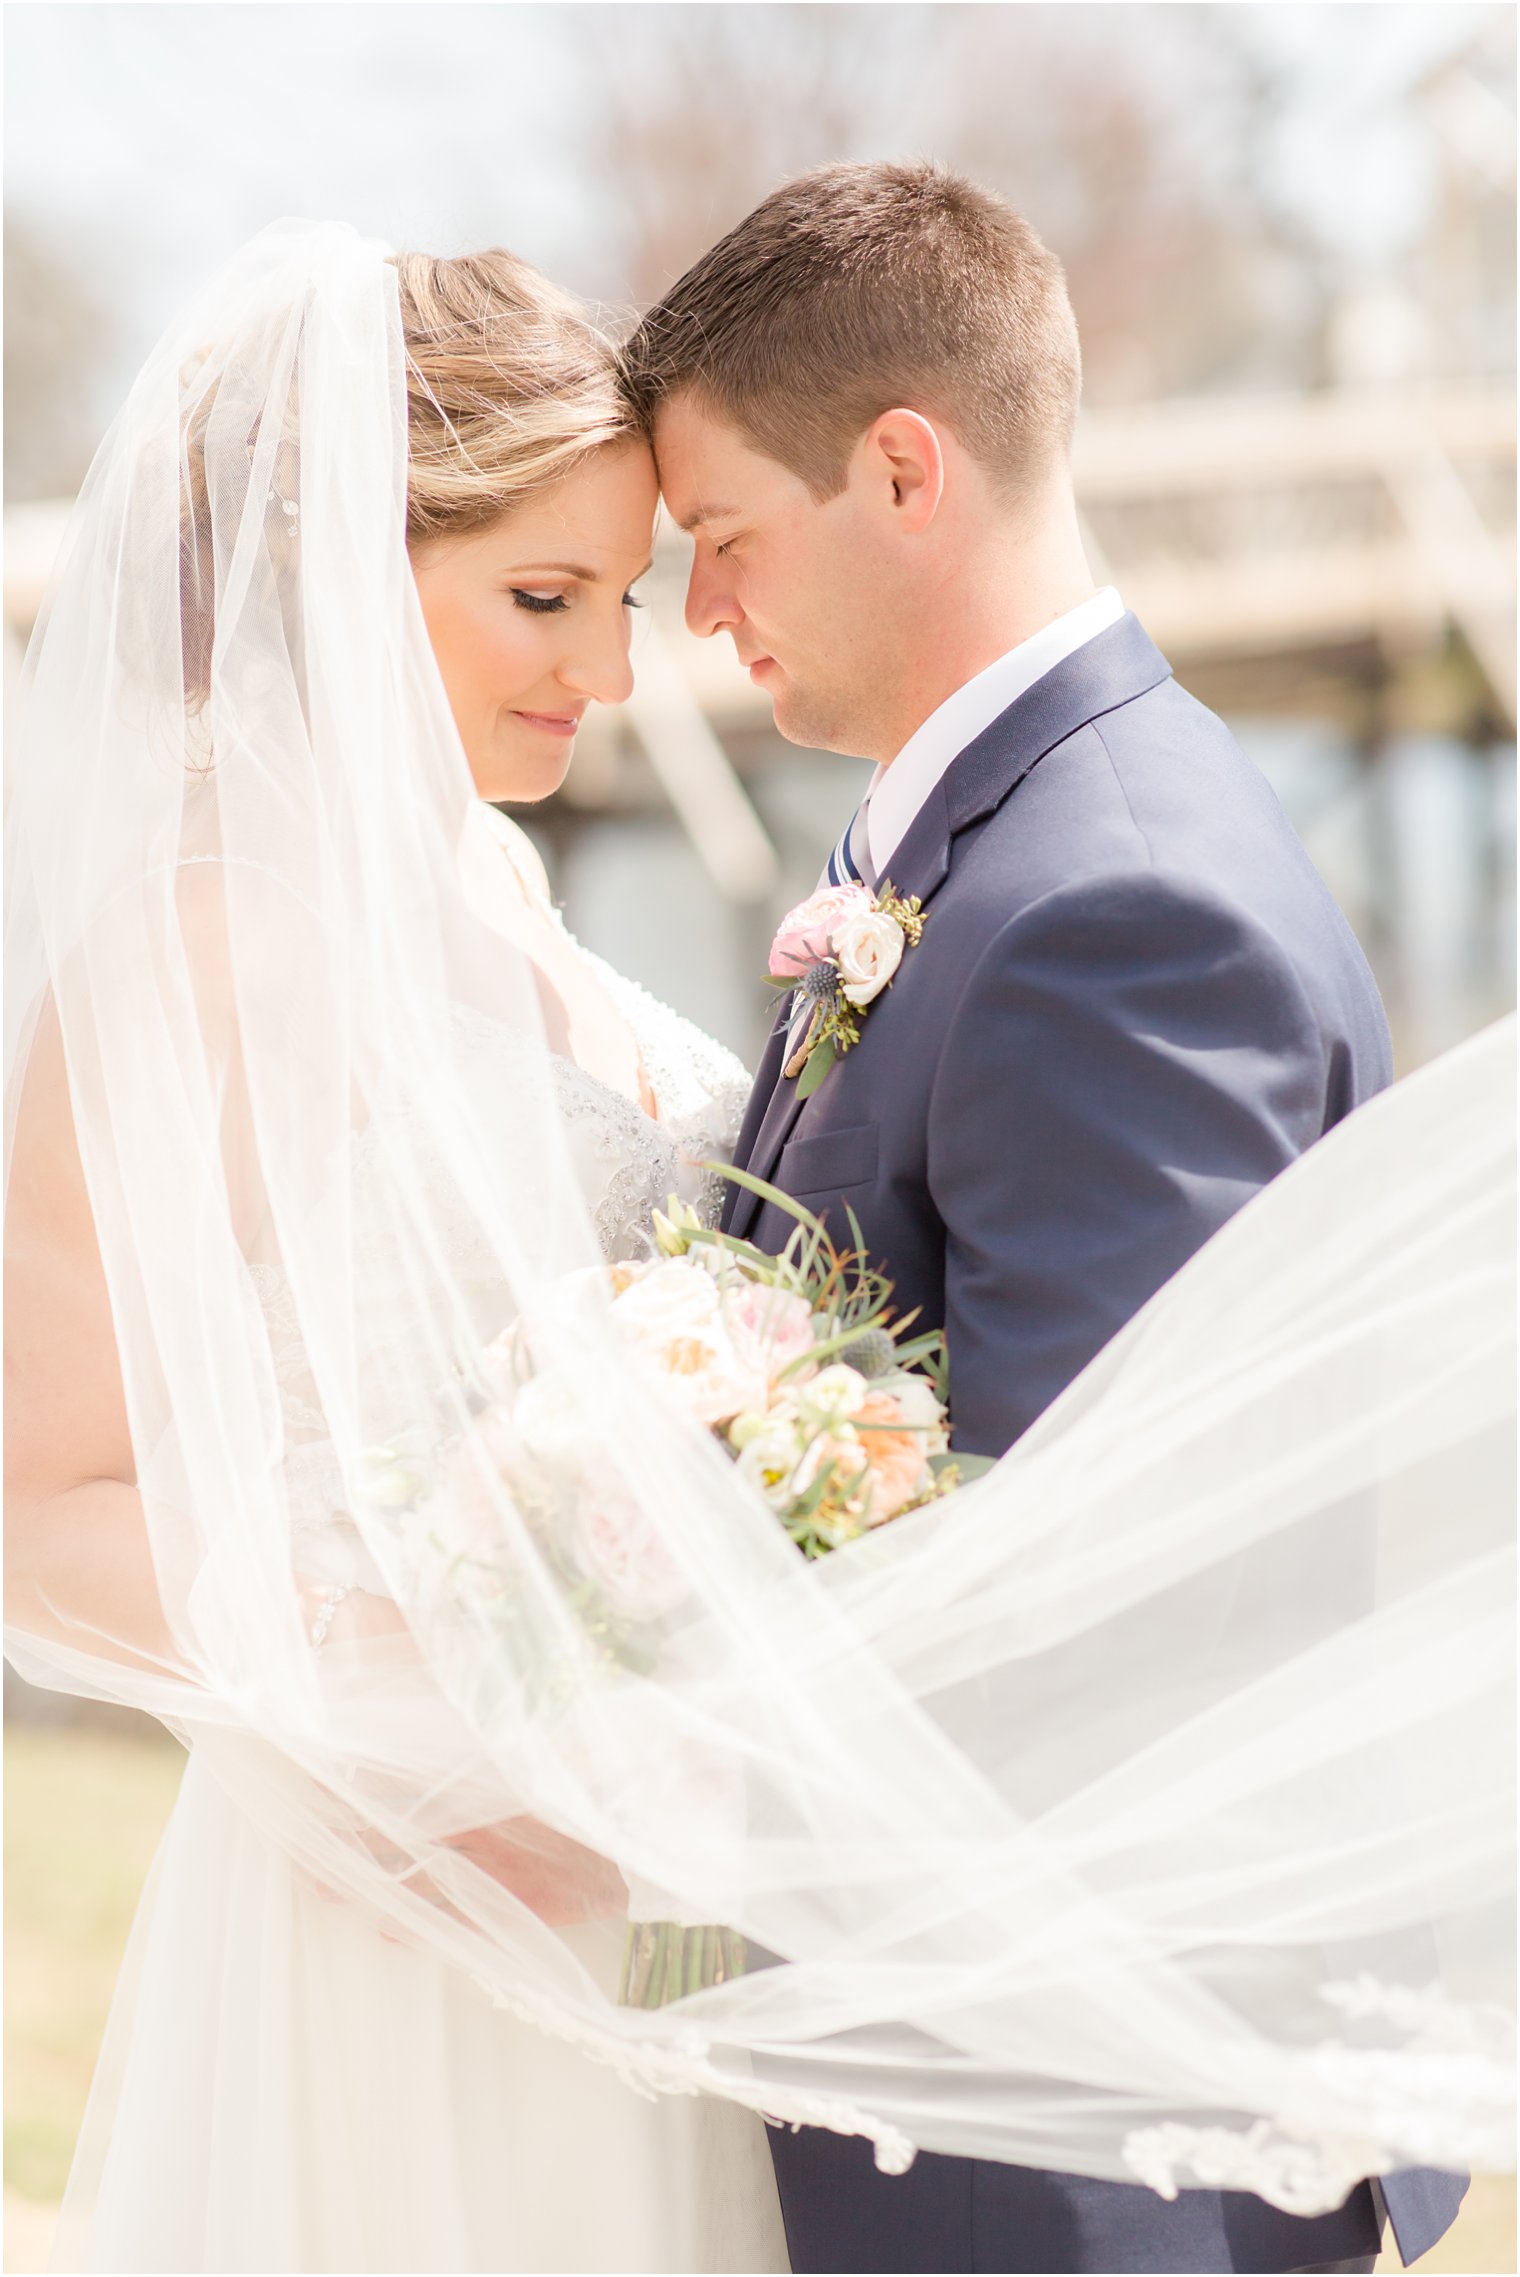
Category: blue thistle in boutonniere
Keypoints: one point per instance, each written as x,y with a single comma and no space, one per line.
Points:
837,951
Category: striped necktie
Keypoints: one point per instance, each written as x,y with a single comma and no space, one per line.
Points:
842,868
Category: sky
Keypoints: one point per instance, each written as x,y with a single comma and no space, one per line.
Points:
157,137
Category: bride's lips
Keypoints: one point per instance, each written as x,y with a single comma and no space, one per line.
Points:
552,723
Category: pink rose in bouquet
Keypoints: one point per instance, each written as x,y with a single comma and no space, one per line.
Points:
768,1327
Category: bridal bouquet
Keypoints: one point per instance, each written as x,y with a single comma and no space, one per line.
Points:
798,1368
796,1365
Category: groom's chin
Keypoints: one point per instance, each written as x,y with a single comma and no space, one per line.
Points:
803,720
805,716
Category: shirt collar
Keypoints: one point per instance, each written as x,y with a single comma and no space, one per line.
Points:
897,792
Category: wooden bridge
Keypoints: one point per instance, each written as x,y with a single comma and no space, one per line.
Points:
1281,550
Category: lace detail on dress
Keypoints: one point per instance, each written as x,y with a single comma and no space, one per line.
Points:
702,1088
641,1165
298,1394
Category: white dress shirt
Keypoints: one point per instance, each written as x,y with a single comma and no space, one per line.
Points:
896,792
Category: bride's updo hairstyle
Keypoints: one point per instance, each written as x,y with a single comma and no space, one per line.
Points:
509,385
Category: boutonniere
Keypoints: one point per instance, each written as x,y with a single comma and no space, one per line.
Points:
838,950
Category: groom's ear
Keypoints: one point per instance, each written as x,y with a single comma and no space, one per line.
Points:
903,462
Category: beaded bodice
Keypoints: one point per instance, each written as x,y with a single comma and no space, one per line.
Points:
625,1161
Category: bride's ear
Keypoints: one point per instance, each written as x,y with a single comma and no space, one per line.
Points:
904,461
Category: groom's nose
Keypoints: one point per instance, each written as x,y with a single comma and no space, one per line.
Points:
711,604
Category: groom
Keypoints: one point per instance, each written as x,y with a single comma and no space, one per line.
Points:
1134,1001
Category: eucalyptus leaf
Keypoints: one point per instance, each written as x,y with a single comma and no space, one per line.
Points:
818,1064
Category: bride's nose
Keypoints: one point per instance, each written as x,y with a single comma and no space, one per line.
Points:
600,666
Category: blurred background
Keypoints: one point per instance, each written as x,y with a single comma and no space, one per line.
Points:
1290,237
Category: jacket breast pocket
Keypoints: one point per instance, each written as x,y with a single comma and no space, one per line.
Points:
829,1162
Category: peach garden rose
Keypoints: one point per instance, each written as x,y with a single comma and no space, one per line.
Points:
900,1471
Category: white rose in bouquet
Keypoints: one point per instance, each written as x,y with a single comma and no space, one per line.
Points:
673,1313
709,1378
665,1300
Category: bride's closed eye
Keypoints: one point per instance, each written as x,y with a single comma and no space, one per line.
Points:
546,604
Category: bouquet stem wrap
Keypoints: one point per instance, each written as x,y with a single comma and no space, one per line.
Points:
664,1961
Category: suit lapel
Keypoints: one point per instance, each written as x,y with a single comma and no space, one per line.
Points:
739,1207
1112,669
920,864
1108,671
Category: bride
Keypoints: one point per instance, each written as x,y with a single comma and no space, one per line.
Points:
283,2085
311,1097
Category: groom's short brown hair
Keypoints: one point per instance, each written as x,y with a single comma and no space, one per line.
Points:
856,289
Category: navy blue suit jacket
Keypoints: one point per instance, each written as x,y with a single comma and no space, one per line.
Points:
1134,1002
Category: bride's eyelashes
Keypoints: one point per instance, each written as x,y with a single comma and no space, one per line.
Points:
547,604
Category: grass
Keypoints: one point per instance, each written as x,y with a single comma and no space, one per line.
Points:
83,1814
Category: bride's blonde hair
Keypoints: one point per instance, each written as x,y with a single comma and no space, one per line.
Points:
509,385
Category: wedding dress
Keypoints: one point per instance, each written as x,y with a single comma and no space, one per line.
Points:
1141,1810
285,2087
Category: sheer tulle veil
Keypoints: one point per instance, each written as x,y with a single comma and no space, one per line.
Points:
1142,1811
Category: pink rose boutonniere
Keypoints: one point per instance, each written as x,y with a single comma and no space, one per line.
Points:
839,949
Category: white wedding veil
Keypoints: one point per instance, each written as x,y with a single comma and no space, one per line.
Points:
1143,1811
